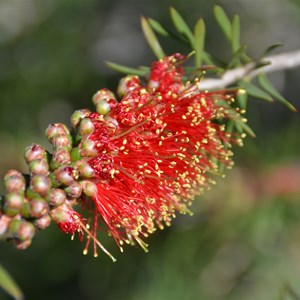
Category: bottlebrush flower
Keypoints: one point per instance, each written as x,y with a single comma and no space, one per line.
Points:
133,164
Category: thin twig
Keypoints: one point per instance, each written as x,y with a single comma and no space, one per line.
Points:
277,62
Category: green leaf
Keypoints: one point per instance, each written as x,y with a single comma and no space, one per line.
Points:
9,285
237,55
158,27
235,33
199,41
255,91
265,83
243,127
127,70
271,49
152,39
181,26
223,21
242,99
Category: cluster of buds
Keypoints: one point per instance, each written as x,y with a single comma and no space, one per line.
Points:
132,164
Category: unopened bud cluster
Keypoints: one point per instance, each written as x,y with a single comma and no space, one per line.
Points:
56,182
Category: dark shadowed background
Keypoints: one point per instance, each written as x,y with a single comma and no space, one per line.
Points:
243,241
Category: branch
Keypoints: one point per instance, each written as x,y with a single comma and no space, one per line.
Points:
277,62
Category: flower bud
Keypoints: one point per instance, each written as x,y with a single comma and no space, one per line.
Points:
102,107
56,197
62,141
33,152
38,208
14,181
78,115
103,94
60,157
86,127
74,190
127,84
87,148
43,222
66,175
55,130
85,170
20,229
4,221
13,204
40,184
89,188
61,213
39,166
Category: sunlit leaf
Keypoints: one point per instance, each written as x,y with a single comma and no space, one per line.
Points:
181,26
223,21
127,70
265,83
254,91
9,285
235,33
152,39
158,27
199,41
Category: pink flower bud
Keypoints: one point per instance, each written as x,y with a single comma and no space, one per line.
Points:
86,171
89,188
38,208
74,190
127,84
87,148
103,94
62,141
66,175
22,230
33,152
60,157
56,197
14,181
43,222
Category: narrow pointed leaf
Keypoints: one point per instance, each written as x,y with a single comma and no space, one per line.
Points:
181,26
235,33
156,26
255,91
152,39
9,285
242,100
199,42
237,55
223,21
127,70
265,83
271,49
243,127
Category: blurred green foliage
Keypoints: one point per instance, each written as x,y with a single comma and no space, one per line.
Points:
243,241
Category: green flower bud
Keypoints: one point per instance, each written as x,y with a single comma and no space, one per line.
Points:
86,127
20,229
39,166
102,107
87,148
89,188
56,197
60,157
66,175
40,184
78,115
85,170
13,204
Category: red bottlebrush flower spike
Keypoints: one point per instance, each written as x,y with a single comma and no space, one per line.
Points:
155,151
137,162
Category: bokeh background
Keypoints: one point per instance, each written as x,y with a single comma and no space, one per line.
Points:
243,241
